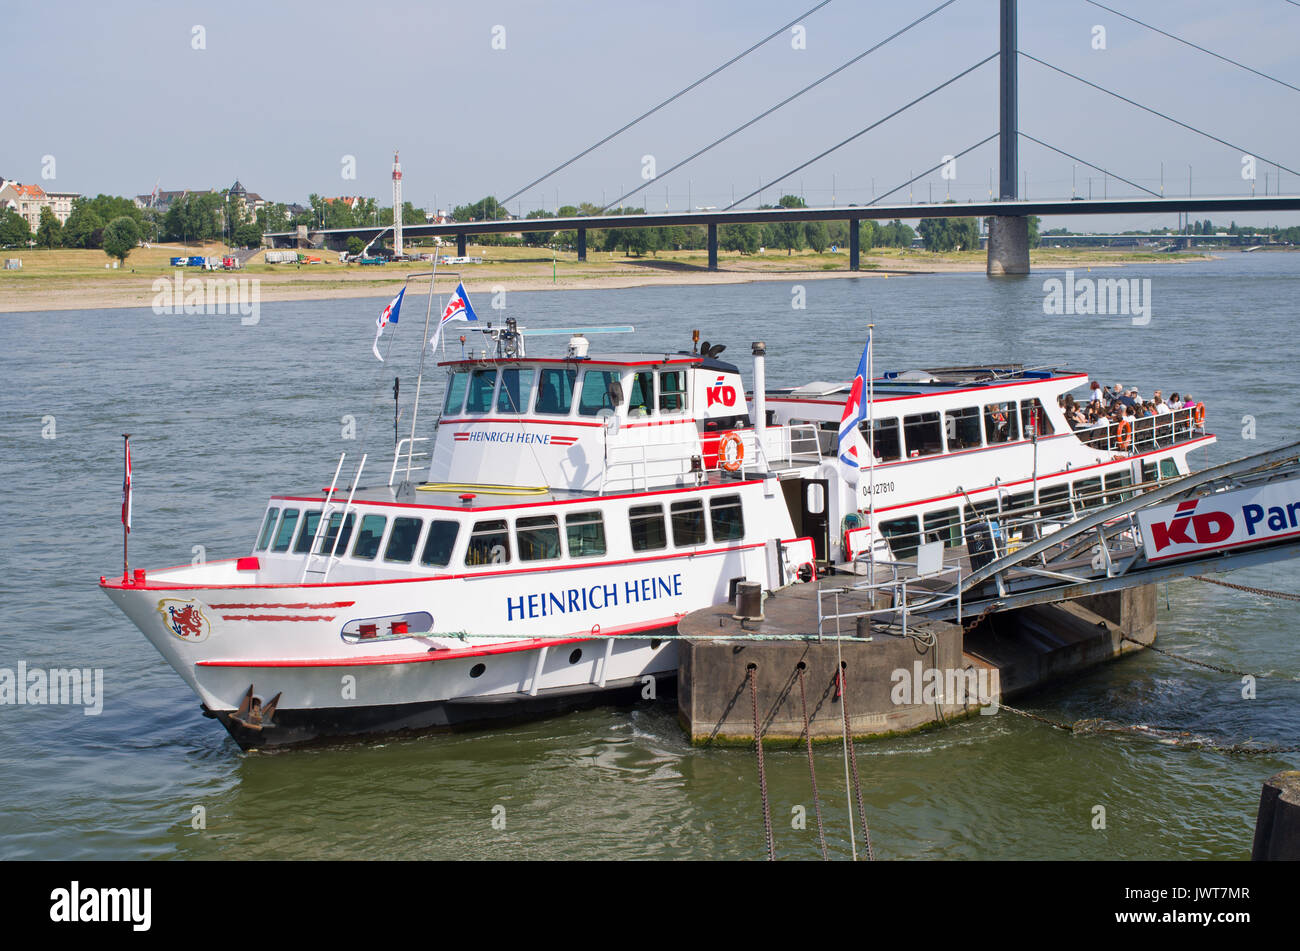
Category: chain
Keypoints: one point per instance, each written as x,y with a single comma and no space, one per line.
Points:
1247,588
762,773
1201,663
853,758
812,771
992,606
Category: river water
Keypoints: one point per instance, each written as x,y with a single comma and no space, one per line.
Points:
225,413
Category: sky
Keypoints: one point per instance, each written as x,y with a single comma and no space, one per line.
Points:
482,98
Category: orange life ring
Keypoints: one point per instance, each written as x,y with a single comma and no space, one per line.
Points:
1198,416
725,457
1125,435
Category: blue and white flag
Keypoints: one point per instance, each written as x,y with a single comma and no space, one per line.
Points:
387,316
458,307
852,448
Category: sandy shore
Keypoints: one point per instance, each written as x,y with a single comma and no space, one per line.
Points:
51,284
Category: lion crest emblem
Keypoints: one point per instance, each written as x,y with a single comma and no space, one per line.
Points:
184,619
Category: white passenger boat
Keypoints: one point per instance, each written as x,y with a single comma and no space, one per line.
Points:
571,508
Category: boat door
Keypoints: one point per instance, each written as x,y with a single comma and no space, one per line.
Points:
807,500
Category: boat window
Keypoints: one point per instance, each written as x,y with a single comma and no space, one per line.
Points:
944,527
539,537
481,385
1031,413
727,519
455,401
403,539
672,390
648,533
1115,482
688,522
586,531
308,533
641,401
901,533
1087,492
922,434
1055,501
1148,472
1168,469
596,385
268,527
516,390
372,530
285,535
328,544
555,392
438,546
884,438
962,427
489,544
1000,423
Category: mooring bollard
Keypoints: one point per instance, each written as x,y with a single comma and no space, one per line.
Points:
1277,827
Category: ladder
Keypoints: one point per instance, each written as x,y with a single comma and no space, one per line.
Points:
314,552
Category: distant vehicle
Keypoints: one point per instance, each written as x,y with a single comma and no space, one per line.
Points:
372,260
230,264
280,257
196,261
178,262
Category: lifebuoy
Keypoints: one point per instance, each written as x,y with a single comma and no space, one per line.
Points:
730,458
1198,416
1125,435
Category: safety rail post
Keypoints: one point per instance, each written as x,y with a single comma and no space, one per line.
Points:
343,518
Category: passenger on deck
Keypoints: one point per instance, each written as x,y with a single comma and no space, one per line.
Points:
1094,394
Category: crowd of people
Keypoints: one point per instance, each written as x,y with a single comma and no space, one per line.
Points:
1110,416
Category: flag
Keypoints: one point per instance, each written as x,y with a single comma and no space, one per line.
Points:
387,316
126,491
852,447
458,307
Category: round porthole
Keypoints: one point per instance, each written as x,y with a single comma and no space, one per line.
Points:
654,644
477,670
575,656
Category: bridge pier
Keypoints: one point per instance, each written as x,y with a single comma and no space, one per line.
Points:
855,243
1008,252
582,244
713,245
460,245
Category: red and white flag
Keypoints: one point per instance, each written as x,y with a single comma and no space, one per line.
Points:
126,491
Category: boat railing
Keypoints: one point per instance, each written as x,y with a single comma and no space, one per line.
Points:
407,444
1145,434
898,602
641,466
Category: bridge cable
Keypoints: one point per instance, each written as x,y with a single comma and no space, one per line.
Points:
812,769
1090,165
1155,112
862,132
783,102
674,96
1280,82
932,168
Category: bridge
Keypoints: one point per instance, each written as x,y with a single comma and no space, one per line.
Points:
1008,240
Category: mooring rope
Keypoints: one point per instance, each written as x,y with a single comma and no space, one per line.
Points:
762,774
812,770
853,758
1286,596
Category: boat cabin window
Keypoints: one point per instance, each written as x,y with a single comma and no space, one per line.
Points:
944,527
672,390
539,537
555,391
1033,415
489,543
403,539
1168,469
285,535
1000,423
597,387
884,439
455,401
438,546
268,527
922,434
648,532
727,519
1087,493
372,532
586,532
1115,483
516,390
482,383
902,535
688,522
333,542
962,427
310,520
1055,501
641,401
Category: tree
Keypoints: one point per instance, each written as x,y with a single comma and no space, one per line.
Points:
816,235
744,238
121,236
936,235
867,235
81,225
355,246
14,232
538,239
1034,239
248,235
49,234
485,209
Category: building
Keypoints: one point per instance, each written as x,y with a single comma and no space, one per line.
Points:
251,202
